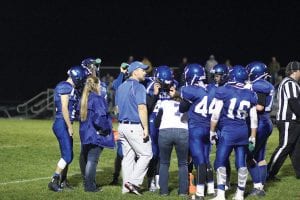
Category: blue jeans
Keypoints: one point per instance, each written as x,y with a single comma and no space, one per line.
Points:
89,157
166,140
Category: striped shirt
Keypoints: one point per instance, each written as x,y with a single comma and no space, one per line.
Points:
288,89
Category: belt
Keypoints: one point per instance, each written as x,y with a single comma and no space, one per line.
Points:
128,122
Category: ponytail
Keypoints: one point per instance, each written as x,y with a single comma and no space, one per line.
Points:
91,85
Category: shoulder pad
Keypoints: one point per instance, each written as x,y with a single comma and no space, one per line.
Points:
64,88
262,86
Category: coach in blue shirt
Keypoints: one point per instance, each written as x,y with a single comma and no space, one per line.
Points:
133,128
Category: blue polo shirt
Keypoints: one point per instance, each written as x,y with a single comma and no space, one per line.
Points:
129,95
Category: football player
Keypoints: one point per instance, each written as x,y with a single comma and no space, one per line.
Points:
265,92
220,77
233,105
66,101
196,101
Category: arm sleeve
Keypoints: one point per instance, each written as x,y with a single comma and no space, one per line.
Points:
294,105
140,94
184,106
261,99
157,120
151,101
291,90
217,111
118,81
253,117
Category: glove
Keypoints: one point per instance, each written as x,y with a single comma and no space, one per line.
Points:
251,144
213,137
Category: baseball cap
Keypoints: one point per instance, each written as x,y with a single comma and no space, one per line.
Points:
135,65
293,66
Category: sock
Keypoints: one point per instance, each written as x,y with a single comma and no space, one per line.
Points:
209,174
221,178
200,190
263,173
255,174
242,178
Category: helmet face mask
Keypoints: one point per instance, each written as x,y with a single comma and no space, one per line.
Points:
220,73
193,73
164,76
93,65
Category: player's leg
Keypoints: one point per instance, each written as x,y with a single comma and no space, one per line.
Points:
240,163
197,148
152,173
222,155
209,169
66,148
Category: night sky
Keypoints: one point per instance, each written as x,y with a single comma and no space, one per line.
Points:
41,40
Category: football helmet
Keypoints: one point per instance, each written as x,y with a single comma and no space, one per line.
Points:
78,75
238,74
257,70
194,73
222,70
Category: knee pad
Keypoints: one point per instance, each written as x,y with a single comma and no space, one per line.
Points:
221,176
242,176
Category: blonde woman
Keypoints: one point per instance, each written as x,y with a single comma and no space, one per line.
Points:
95,131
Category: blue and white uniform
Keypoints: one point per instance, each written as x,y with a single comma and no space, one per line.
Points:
60,128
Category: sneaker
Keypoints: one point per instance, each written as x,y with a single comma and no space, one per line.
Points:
66,185
54,184
237,197
199,197
219,198
98,189
132,188
115,181
152,185
257,192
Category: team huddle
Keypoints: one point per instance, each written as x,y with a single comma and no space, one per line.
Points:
158,112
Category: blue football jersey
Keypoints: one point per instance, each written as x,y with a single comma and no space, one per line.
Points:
237,102
263,86
199,110
65,88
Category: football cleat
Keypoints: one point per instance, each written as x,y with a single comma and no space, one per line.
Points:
54,184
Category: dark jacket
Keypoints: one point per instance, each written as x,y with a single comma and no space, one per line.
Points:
97,128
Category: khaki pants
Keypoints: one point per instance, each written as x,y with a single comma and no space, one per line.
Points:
131,137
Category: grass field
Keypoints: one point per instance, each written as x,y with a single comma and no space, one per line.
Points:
29,153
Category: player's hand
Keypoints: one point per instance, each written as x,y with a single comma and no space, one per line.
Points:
213,137
172,91
156,88
251,145
70,130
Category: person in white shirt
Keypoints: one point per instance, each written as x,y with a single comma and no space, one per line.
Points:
173,131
